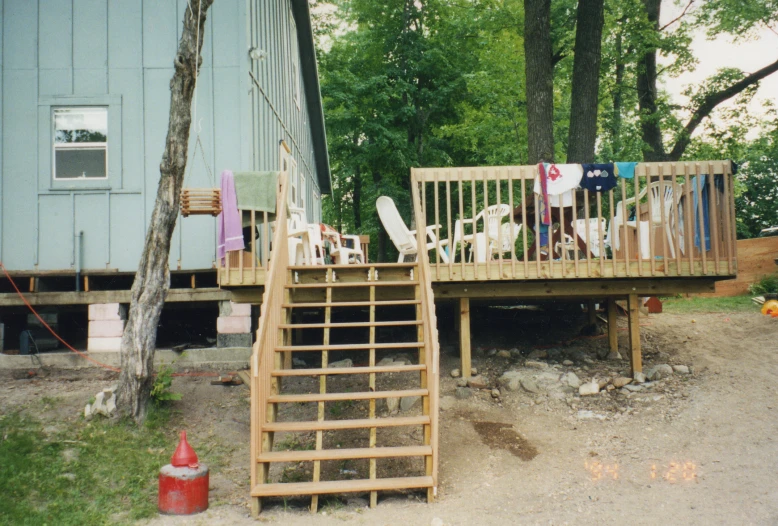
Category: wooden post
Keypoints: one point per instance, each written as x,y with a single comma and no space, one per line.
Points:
591,311
464,336
613,334
635,358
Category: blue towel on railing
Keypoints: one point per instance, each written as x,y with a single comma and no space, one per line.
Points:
701,191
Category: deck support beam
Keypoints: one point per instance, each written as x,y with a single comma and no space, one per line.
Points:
613,331
635,358
464,336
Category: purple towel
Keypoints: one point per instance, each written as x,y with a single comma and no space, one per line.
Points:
230,229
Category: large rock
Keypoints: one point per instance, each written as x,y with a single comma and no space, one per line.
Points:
503,354
588,389
510,380
681,369
639,378
407,402
571,380
386,361
478,382
530,386
658,372
463,392
621,381
534,364
455,373
392,404
341,363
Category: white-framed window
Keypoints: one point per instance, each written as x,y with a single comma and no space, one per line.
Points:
80,143
294,195
295,65
303,195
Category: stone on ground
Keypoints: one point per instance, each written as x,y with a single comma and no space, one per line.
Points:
463,393
407,402
530,386
590,388
621,381
534,364
510,380
658,372
455,373
341,363
477,382
639,378
681,369
571,380
392,403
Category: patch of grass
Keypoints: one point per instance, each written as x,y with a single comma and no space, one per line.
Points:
96,472
295,443
705,304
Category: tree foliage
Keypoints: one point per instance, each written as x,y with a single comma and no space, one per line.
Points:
442,83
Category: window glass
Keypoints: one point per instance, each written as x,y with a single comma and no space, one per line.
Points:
80,143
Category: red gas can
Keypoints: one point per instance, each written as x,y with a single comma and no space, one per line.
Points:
183,484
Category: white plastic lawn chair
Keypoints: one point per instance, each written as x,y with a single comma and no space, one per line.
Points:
486,249
491,218
298,237
594,233
340,254
405,240
663,194
316,244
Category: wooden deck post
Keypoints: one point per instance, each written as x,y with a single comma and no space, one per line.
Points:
613,334
635,358
464,336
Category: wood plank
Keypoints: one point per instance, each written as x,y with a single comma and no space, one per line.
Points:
353,324
312,305
333,425
340,284
345,454
110,296
464,337
333,397
349,346
635,357
339,486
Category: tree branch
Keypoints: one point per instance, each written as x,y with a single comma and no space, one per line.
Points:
711,101
676,19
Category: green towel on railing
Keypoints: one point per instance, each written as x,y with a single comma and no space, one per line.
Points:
256,191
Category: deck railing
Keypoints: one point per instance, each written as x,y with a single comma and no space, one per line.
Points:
682,224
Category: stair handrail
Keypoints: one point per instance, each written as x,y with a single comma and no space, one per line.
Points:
431,342
263,350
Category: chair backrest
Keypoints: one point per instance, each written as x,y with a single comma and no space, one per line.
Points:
507,240
297,220
394,225
492,217
662,194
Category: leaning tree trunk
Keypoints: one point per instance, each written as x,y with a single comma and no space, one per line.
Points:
586,82
539,73
152,279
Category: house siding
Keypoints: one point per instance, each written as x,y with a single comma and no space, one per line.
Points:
119,53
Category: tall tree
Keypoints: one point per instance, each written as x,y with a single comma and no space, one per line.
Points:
152,280
539,80
582,134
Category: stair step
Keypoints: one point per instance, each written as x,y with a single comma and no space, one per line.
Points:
348,325
341,284
313,305
350,346
331,425
339,486
344,454
350,370
332,397
365,266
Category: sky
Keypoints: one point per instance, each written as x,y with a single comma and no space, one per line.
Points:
722,52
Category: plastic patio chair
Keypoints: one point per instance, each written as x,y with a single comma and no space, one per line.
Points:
405,240
491,218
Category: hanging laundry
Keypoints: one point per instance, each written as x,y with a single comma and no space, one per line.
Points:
545,208
555,179
598,177
229,227
625,170
701,192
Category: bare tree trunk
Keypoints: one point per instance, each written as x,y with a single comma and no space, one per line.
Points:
152,279
539,73
582,133
651,131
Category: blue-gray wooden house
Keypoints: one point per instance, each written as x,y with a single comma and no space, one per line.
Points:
84,109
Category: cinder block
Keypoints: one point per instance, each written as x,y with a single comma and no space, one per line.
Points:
106,328
233,324
107,311
229,308
104,344
233,340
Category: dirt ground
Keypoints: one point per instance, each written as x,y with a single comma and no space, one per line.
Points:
689,449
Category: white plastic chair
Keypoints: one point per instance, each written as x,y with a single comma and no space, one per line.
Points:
662,194
340,254
491,218
316,244
298,237
405,240
594,233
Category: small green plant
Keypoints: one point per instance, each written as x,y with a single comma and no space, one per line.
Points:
160,389
767,285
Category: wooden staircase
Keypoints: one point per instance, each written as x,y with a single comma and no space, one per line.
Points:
320,430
